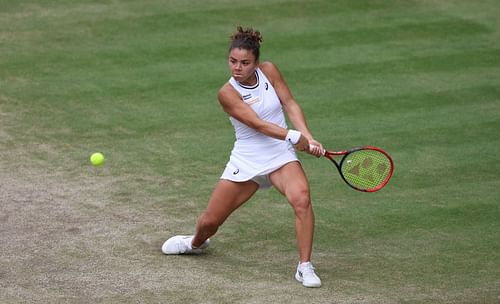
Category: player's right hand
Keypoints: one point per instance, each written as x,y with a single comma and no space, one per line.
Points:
303,144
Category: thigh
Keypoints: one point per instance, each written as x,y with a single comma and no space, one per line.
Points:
290,179
229,196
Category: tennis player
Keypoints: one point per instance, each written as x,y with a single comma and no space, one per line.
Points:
256,99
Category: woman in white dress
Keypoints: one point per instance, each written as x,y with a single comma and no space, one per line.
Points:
263,153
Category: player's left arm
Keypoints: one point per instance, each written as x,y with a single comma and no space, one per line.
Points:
290,105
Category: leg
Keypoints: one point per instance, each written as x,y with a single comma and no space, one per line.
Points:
226,198
291,181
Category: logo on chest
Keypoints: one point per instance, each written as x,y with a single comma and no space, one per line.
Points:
249,99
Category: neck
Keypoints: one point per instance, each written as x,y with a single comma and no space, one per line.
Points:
250,81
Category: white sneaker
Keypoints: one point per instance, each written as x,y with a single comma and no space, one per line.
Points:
305,274
181,244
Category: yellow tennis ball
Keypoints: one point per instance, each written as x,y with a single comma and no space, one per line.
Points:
97,159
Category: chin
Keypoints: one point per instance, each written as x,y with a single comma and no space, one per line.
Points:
240,78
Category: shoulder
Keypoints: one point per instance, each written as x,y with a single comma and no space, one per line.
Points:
227,91
268,68
227,88
271,71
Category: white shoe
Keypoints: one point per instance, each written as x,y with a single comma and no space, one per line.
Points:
181,244
305,274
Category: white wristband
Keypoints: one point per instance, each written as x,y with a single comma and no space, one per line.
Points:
293,136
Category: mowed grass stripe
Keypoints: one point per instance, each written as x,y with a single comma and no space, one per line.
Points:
147,22
453,62
434,30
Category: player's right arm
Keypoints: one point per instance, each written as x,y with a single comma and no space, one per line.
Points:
233,105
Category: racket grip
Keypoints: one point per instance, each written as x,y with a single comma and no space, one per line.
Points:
322,152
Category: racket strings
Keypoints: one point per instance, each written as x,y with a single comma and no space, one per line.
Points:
366,169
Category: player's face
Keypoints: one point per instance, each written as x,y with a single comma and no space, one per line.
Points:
242,65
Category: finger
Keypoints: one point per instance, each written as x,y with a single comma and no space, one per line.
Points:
317,150
314,148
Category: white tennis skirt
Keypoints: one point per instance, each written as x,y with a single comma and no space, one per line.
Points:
255,160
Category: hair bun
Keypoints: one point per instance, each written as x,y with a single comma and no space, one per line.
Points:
246,38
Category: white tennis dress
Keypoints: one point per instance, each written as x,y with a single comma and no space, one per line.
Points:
255,155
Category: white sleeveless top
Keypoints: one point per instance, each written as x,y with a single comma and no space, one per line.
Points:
254,154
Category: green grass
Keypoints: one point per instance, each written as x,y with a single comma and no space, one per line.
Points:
137,80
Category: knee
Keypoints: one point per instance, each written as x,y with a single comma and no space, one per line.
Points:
301,201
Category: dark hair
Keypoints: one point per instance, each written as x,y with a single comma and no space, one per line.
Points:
247,39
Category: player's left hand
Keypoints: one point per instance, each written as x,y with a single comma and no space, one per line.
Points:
316,148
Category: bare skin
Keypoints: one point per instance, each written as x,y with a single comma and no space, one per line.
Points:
290,179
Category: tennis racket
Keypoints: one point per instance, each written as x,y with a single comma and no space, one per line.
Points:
366,169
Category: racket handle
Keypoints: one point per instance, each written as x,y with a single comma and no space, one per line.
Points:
323,153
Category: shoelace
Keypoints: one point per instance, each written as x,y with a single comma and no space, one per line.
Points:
307,269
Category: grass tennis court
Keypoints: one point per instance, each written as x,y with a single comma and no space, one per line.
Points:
137,80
